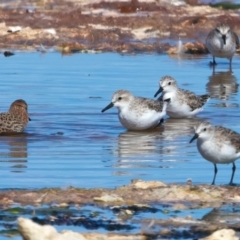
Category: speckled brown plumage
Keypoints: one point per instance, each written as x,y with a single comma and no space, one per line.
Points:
185,96
140,101
225,134
16,119
148,103
192,100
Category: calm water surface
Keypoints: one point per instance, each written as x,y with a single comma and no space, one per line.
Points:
70,142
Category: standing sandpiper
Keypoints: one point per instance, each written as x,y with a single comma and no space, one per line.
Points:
218,145
222,42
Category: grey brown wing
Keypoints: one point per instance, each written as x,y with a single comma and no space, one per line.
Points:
209,36
156,105
193,100
235,140
226,134
236,39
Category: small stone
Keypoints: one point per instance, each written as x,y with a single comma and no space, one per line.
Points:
14,29
139,205
108,198
129,212
50,31
165,232
8,53
145,185
223,234
63,205
179,206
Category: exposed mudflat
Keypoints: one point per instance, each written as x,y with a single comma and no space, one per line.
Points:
109,26
137,192
62,207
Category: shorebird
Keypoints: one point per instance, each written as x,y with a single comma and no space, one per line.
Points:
16,119
137,113
218,145
222,42
182,103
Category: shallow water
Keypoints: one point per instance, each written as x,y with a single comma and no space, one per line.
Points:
94,218
70,142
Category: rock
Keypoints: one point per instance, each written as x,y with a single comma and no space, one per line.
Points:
224,234
165,232
66,48
189,48
139,184
8,53
108,198
139,205
30,230
50,31
99,236
63,205
14,29
69,235
179,206
33,231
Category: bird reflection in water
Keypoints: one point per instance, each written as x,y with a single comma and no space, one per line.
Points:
222,84
156,148
175,129
138,150
131,143
224,214
14,151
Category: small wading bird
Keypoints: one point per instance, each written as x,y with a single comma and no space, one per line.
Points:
182,103
16,119
222,42
217,145
137,113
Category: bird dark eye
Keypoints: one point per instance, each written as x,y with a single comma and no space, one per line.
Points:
204,129
120,98
217,30
169,83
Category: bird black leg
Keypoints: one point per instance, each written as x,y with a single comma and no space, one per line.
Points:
233,171
213,63
215,173
230,64
160,123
